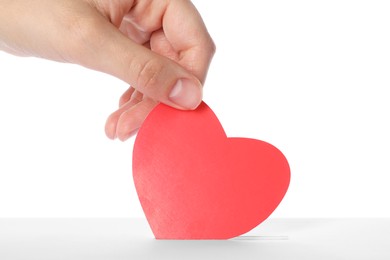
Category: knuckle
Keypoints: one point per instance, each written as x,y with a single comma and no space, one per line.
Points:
211,47
149,74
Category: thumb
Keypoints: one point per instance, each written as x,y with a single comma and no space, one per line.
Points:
106,49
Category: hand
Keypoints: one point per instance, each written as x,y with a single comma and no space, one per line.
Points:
160,47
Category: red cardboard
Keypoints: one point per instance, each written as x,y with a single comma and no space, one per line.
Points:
195,183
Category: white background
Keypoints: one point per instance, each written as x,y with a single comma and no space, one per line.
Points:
310,77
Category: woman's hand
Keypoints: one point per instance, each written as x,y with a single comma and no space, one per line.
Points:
160,47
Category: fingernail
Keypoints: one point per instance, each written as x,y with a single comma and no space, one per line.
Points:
186,94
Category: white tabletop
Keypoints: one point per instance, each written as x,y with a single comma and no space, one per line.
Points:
113,239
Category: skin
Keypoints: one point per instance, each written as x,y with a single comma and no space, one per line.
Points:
153,45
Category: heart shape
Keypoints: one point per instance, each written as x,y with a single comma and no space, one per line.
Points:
195,183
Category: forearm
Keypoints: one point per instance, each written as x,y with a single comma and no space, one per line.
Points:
32,27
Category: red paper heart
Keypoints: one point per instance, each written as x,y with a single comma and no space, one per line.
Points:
195,183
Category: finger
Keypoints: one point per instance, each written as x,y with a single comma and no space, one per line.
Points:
133,32
187,33
160,44
106,49
131,119
126,96
112,120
